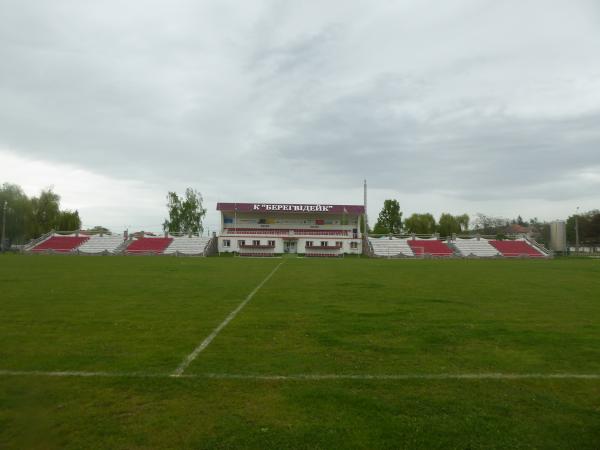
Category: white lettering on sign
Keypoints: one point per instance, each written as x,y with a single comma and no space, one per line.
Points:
294,208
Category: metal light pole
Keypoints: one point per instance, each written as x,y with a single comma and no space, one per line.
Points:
3,226
577,231
366,218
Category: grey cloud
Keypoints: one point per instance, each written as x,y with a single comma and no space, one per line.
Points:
271,98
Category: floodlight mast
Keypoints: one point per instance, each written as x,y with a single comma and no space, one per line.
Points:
366,220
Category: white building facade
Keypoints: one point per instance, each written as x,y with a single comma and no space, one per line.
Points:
269,229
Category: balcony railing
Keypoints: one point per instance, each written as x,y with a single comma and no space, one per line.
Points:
257,246
323,247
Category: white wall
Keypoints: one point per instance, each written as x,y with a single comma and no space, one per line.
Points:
331,240
249,238
301,243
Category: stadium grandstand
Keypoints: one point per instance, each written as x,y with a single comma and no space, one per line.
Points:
273,229
267,229
474,247
115,244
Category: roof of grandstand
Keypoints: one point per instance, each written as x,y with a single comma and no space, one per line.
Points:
291,208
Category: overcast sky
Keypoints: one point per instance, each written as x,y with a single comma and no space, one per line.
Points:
449,106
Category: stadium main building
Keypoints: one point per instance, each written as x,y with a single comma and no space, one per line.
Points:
267,229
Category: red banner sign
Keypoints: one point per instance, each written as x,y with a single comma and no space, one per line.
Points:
290,208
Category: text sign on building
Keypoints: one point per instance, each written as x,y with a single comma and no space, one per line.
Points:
291,208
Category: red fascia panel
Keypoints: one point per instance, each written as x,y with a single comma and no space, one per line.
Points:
291,208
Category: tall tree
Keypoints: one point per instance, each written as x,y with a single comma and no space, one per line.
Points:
68,221
28,218
448,225
46,211
18,212
390,218
420,224
463,222
185,214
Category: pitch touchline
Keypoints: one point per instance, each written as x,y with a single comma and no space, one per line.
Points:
309,377
189,358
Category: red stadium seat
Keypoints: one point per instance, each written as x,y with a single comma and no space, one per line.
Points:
431,247
60,244
149,245
516,248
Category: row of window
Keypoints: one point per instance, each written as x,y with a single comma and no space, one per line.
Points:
323,243
242,242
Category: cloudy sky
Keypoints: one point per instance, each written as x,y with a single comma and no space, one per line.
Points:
459,106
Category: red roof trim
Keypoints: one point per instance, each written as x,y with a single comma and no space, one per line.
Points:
292,208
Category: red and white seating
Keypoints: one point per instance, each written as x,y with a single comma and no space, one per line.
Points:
60,244
151,245
517,248
100,244
431,247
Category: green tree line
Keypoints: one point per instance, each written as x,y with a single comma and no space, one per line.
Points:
589,228
390,221
30,217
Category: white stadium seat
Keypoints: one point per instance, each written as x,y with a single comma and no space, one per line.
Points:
187,245
99,244
386,246
474,247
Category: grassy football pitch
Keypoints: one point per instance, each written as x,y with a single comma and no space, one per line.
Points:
352,353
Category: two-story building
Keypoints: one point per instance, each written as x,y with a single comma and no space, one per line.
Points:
268,229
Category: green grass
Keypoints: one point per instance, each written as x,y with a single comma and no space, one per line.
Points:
351,317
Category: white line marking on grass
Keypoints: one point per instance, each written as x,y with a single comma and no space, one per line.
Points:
189,358
424,376
309,377
79,373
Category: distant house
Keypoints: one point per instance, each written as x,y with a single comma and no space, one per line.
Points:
515,228
142,234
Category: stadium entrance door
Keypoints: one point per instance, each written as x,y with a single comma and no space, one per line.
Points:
289,246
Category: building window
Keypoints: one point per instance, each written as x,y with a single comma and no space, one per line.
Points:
256,242
309,243
354,245
338,244
226,243
241,243
271,243
323,243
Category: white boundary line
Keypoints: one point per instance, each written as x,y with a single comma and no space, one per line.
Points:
416,376
79,374
205,343
309,377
